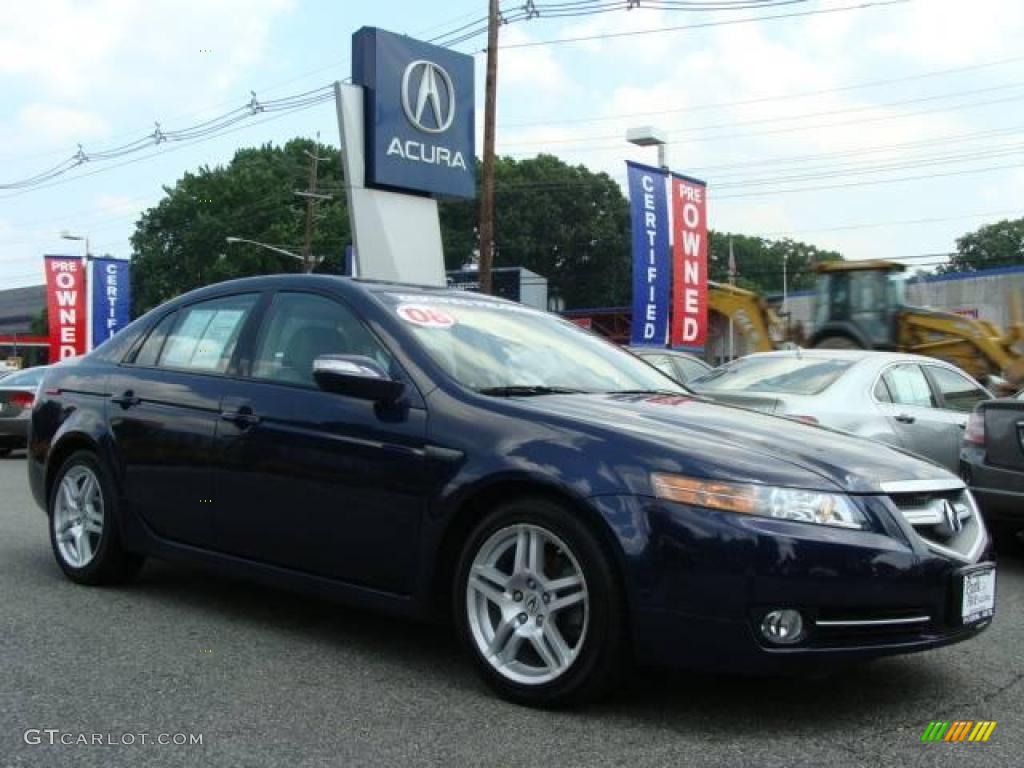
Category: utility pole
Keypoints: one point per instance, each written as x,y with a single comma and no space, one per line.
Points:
312,198
487,170
732,281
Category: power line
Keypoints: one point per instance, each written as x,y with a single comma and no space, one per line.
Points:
764,99
824,113
702,25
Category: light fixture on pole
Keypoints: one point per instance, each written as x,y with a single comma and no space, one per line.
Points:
65,235
649,136
274,248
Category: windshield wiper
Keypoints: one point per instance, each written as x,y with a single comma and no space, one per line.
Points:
674,393
528,390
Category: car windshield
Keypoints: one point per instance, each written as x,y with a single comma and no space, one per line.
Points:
501,347
785,375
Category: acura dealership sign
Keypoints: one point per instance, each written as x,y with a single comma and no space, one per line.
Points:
418,112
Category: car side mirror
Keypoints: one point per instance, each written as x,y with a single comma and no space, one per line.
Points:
356,376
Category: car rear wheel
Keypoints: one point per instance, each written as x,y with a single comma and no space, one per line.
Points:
83,524
538,604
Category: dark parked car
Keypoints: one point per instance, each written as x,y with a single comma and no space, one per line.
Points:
681,366
992,459
422,450
17,394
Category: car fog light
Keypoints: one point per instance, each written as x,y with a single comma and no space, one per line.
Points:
783,626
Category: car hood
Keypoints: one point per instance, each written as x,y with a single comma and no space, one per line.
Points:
695,426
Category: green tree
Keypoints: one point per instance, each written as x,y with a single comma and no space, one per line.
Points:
993,245
563,221
40,325
759,261
180,243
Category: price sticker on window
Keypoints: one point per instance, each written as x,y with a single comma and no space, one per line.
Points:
423,315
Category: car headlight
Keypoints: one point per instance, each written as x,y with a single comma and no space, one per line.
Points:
764,500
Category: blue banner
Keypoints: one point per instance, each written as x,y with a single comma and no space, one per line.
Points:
111,298
648,204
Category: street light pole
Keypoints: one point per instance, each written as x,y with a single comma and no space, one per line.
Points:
649,136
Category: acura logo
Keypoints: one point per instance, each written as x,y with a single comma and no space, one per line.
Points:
951,519
428,96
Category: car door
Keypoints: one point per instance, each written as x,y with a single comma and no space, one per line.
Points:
909,404
163,412
312,480
957,394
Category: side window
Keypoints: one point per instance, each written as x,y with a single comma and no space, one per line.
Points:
204,335
302,326
908,386
150,349
882,392
958,392
689,369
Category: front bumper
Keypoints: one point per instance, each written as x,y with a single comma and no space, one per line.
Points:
700,582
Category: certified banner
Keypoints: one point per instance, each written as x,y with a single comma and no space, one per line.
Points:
65,306
689,262
111,298
649,213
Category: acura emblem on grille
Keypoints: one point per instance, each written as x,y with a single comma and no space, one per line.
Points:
951,522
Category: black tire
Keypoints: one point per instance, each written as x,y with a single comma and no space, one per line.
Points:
600,658
111,563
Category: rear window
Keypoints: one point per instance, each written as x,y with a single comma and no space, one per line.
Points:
785,375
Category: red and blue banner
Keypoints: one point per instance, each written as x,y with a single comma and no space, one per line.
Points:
689,261
648,205
111,298
65,306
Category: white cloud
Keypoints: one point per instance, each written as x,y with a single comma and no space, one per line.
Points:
54,124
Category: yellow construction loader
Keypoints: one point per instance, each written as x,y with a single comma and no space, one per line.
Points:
861,305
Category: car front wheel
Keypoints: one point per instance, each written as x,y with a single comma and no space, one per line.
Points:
83,524
538,604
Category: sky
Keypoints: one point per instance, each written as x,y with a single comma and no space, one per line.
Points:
880,131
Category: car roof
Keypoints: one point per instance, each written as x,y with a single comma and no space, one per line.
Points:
299,280
663,351
848,354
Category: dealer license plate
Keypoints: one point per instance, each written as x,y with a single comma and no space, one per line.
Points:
979,595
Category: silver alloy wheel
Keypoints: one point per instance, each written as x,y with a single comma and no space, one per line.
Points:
527,604
78,516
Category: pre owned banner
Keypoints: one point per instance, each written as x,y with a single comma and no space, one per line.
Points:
111,298
689,262
65,306
649,213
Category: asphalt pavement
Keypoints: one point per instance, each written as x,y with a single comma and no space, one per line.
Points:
268,678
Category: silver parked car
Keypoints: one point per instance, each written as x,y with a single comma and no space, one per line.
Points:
917,403
681,366
17,393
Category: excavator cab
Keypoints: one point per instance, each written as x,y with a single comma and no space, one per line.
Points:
857,304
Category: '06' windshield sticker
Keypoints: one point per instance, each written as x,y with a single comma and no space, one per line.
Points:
428,317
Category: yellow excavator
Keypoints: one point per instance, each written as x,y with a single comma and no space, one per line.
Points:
861,305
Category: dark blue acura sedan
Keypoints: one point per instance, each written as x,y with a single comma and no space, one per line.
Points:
427,451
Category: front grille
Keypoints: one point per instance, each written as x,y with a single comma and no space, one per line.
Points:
943,514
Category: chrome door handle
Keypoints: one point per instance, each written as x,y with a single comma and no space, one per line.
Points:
242,419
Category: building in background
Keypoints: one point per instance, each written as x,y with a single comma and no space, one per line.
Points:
19,307
513,283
